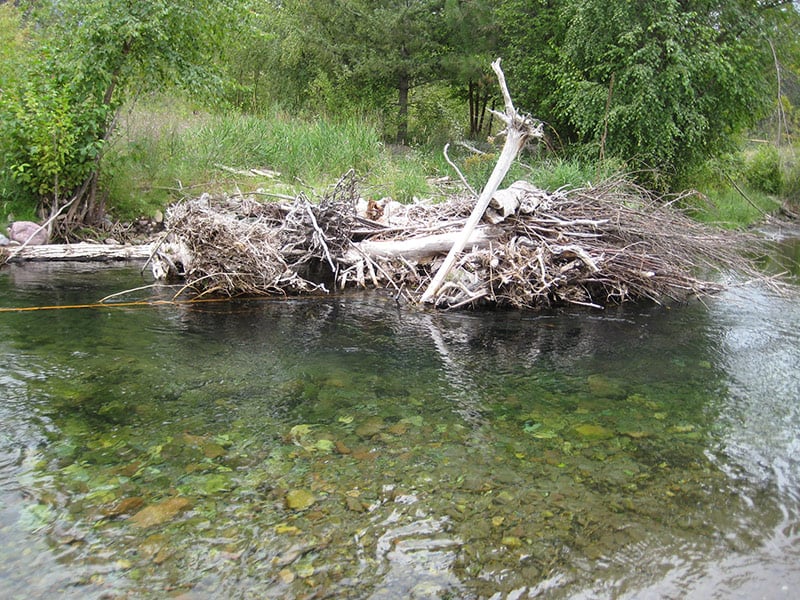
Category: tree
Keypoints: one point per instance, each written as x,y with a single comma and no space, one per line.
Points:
87,58
471,41
661,85
364,48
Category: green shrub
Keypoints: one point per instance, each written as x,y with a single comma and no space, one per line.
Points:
763,170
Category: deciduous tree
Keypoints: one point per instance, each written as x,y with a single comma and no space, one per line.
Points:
365,47
87,58
661,85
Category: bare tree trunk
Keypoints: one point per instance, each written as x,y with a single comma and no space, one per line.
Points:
80,252
472,92
519,130
402,111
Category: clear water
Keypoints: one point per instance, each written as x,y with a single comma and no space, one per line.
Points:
348,448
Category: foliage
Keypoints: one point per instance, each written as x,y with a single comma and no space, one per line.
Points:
791,180
763,170
727,207
724,196
14,48
86,58
361,49
50,130
472,42
653,88
13,42
660,85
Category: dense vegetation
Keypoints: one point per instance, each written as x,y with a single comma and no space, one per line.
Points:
112,106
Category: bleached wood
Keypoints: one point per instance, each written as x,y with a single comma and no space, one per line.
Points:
81,252
420,248
519,130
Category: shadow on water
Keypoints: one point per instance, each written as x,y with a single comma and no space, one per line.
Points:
346,447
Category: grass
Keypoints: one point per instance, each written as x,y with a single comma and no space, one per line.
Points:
728,208
163,152
166,149
739,189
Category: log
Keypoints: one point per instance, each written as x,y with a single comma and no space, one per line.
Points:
78,252
418,249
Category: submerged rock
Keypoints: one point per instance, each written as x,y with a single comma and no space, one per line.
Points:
594,432
299,499
161,512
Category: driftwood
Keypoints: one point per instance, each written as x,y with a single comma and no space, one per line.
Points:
76,252
595,246
519,129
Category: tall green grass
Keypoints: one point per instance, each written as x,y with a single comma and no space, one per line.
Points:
739,189
166,150
731,208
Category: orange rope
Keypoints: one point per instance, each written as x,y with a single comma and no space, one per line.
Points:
121,304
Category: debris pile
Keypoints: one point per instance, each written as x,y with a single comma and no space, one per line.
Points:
594,246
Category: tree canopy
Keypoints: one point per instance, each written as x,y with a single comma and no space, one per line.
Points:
660,86
361,48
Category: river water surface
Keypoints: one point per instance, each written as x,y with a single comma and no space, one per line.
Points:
345,447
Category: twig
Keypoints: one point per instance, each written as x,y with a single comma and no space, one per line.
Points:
745,196
321,236
124,292
458,171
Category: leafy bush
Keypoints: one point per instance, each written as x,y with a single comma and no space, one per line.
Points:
51,134
763,170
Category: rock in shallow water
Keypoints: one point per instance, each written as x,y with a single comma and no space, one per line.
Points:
299,499
594,432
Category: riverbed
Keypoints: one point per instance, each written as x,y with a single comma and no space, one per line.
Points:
348,447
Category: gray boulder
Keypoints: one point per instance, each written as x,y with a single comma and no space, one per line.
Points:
20,231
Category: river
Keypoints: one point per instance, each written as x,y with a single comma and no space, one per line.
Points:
346,447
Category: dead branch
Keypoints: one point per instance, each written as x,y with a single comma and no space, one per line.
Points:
519,129
594,246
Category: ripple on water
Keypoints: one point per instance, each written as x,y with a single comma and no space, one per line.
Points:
635,453
414,558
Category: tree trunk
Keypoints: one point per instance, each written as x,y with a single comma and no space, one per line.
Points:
472,92
519,130
80,252
402,111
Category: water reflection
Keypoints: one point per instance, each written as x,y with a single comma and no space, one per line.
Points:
349,447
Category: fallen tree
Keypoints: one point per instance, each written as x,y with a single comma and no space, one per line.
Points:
83,251
519,129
